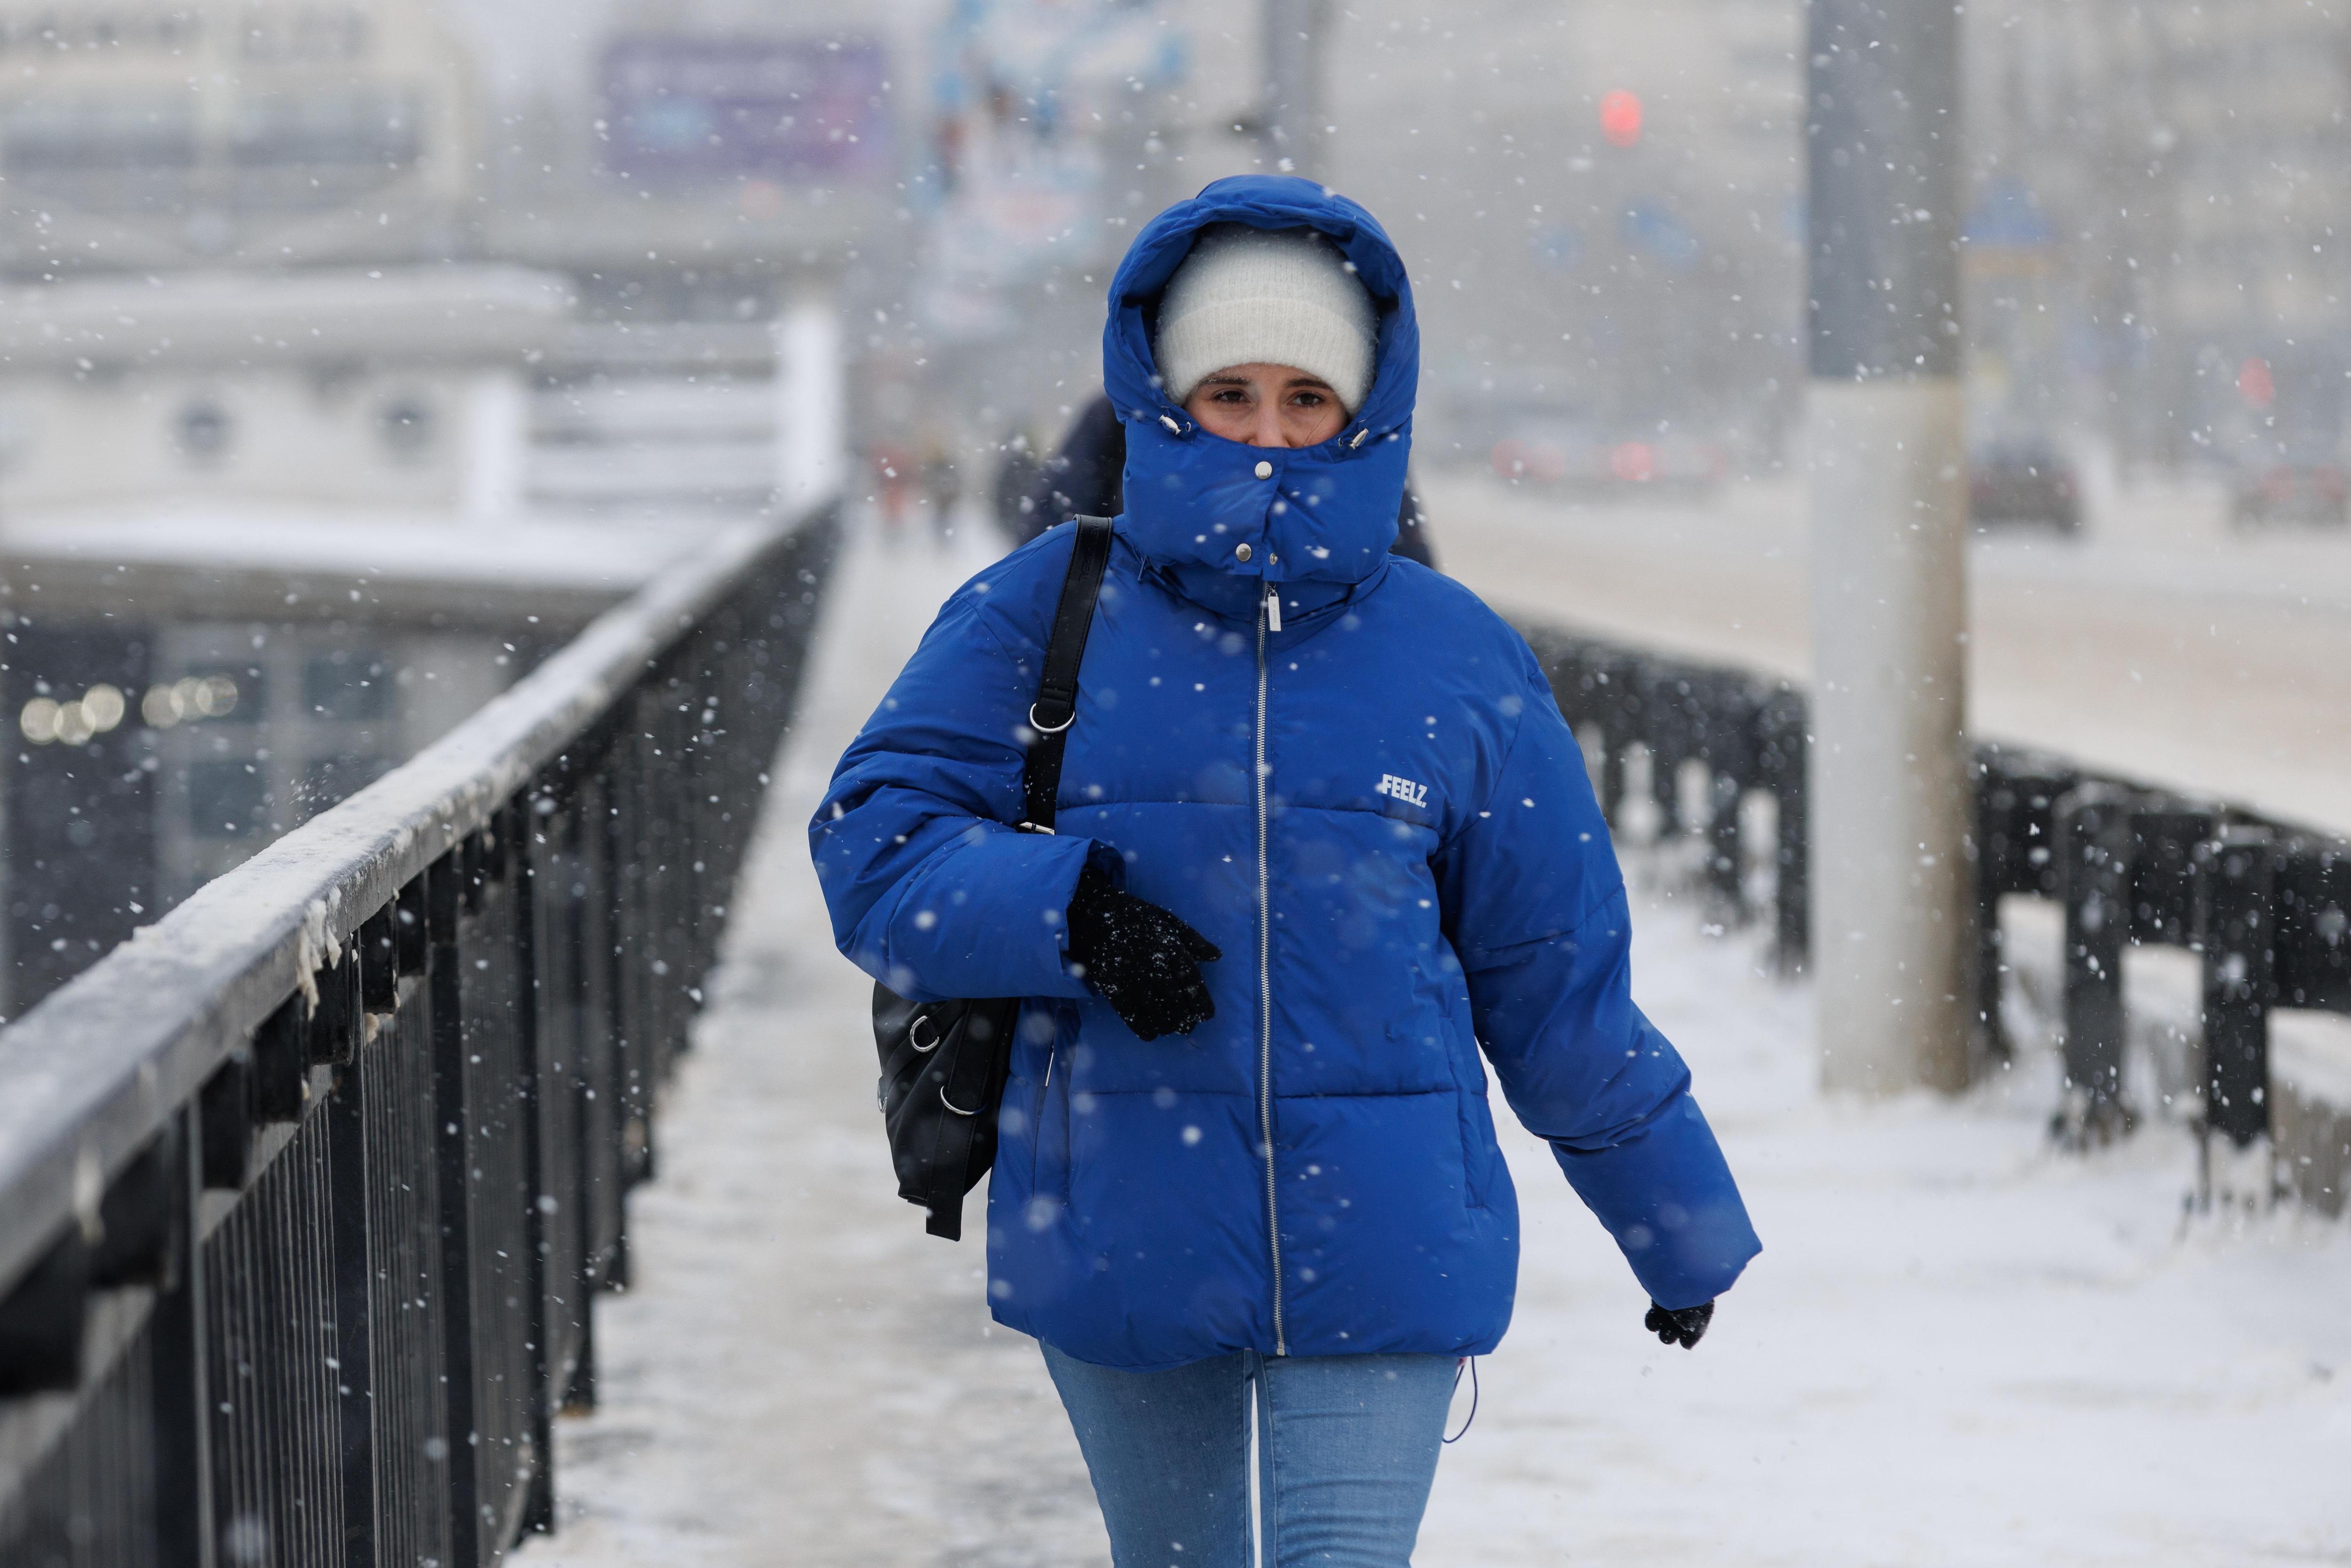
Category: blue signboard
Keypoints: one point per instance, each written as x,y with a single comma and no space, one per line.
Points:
685,110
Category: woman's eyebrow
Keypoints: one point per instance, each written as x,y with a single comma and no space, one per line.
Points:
1307,381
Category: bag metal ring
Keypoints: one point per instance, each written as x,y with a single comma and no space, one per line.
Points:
914,1035
952,1106
1050,728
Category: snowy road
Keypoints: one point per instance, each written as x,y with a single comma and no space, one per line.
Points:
2160,646
1957,1347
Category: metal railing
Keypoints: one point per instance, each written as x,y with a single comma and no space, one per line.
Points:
2266,904
306,1191
1746,735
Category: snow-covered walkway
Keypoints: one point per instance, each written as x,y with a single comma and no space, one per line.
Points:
1957,1347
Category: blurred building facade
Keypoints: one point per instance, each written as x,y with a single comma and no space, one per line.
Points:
2193,163
137,135
343,158
400,388
334,391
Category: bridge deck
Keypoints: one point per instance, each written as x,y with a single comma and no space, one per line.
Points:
1957,1347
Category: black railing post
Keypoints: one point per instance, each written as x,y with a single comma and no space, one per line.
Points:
686,800
2168,839
2311,882
1782,753
1612,768
635,881
710,701
670,828
444,895
587,930
347,1187
531,1045
379,947
2015,851
1579,680
182,1435
283,1050
2095,847
1665,712
332,1035
224,1125
1994,804
411,927
1618,700
2238,936
1726,720
628,890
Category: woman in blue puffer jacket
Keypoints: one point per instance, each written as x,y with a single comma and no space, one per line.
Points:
1321,836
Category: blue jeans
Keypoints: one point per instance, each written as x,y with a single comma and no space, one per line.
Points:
1347,1446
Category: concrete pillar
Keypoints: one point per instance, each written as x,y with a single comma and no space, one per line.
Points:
1891,937
1292,113
811,405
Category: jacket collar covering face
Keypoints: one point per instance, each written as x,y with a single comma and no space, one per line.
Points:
1325,514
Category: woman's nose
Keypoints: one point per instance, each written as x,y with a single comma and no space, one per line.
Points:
1265,429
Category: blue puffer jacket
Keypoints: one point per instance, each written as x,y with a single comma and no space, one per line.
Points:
1378,814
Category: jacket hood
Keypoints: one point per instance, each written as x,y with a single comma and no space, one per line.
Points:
1324,514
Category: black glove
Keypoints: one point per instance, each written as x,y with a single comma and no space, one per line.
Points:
1683,1326
1140,958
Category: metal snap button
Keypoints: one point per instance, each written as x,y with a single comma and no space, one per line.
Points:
1265,470
1240,552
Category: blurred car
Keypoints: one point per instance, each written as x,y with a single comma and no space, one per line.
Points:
2024,481
1679,464
2291,493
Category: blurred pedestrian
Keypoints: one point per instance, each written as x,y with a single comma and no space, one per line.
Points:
893,486
1321,834
1011,497
942,486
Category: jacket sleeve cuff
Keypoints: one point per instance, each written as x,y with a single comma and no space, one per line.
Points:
988,918
1667,1196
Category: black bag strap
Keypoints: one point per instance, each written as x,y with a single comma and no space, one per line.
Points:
1056,707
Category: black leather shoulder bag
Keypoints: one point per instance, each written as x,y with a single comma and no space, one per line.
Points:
944,1063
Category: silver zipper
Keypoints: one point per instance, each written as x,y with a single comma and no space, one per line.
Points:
1265,987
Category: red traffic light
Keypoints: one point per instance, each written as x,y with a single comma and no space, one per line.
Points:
1620,118
2255,384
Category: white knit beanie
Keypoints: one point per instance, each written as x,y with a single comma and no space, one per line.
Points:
1276,297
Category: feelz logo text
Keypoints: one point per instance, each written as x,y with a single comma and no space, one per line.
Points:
1402,790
